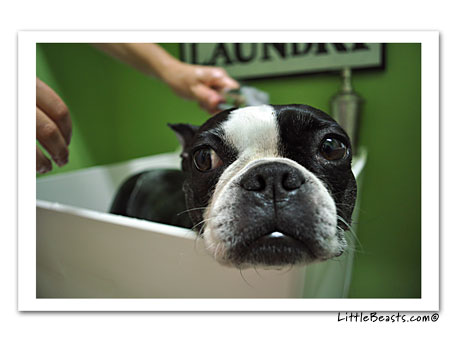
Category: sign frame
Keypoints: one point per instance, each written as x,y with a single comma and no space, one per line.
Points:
380,66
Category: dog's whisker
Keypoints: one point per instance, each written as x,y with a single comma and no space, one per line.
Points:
354,238
351,248
196,240
256,270
354,245
202,222
350,230
201,230
241,274
288,269
218,246
190,210
358,246
343,221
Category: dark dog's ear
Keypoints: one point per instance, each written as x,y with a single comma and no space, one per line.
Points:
185,133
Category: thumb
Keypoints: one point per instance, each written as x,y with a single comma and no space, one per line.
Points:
218,78
208,98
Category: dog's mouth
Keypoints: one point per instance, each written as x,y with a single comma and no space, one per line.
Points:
278,239
276,248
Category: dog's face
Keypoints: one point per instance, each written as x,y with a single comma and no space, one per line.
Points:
269,185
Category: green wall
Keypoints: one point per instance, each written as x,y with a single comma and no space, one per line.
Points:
120,114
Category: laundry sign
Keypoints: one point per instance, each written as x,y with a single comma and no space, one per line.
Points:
263,60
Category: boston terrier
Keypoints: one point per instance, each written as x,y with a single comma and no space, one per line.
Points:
267,185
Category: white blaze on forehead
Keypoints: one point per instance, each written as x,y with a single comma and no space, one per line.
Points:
253,131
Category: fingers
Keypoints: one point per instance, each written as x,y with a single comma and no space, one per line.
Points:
44,165
218,78
208,90
208,98
202,83
51,138
54,128
51,104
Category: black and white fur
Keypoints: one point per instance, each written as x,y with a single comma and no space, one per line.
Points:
273,199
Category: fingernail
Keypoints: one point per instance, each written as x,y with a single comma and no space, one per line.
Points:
61,161
217,73
44,170
216,100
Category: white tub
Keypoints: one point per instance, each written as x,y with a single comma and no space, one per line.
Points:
85,252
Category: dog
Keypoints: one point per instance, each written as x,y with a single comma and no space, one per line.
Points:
267,185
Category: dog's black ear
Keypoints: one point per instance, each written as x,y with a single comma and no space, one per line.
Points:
185,133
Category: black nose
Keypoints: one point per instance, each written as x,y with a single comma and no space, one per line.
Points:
274,178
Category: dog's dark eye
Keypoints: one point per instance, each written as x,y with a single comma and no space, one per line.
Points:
206,159
333,149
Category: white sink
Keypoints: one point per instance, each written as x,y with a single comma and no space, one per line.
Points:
85,252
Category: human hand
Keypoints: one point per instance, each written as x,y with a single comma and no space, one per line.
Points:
54,128
201,83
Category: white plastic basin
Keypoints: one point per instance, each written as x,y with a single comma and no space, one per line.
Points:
85,252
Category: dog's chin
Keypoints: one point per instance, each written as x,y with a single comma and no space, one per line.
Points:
274,250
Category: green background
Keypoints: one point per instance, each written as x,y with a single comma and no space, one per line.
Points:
120,114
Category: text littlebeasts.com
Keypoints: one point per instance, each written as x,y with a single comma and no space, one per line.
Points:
360,317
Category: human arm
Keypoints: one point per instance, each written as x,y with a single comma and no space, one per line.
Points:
201,83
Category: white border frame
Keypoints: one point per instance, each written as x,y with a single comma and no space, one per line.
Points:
430,174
